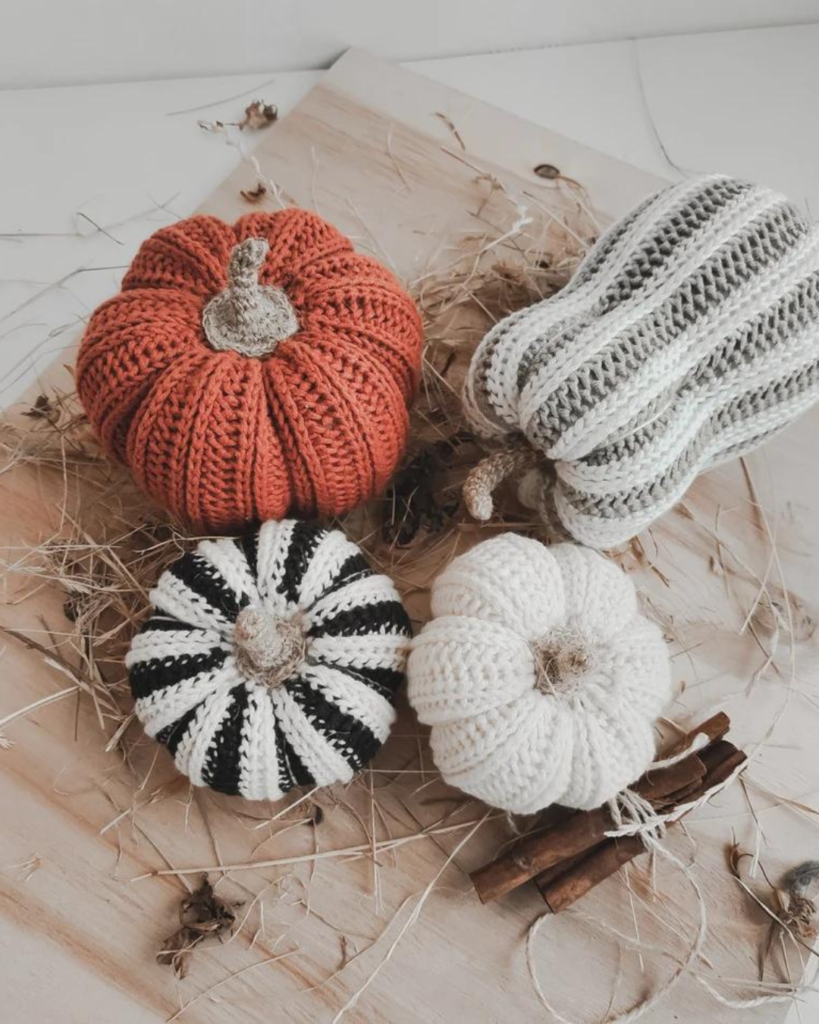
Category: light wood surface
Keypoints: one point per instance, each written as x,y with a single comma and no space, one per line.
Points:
78,938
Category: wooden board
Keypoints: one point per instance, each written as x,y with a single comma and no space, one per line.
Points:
369,150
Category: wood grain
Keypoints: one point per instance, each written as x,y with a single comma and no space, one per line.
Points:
366,149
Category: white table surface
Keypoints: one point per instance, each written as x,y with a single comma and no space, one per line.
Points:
131,157
122,155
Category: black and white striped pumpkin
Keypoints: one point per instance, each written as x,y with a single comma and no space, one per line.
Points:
270,661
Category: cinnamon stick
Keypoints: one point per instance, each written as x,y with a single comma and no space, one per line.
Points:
660,783
561,892
545,878
576,834
721,760
567,883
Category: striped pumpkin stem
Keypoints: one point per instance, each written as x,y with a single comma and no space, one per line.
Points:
515,460
268,647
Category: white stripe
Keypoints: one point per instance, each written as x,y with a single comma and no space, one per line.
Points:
330,555
317,754
274,543
164,707
153,645
361,593
258,758
192,751
383,650
354,698
231,564
175,598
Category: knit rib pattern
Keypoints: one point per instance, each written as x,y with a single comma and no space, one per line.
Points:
539,676
271,661
688,336
227,437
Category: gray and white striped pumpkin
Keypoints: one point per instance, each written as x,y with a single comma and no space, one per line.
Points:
688,336
270,661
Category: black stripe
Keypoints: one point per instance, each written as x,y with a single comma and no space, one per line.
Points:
291,767
355,568
303,543
385,681
221,768
197,573
172,734
167,624
384,617
351,738
146,677
249,546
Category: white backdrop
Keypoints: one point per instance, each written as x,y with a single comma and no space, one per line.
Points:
59,42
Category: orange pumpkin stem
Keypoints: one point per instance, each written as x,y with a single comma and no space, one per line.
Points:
248,317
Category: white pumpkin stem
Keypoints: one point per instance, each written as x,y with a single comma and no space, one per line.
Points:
248,317
270,648
490,473
560,660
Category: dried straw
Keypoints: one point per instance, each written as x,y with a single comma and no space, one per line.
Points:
108,546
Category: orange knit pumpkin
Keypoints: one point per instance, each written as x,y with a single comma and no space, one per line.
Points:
248,372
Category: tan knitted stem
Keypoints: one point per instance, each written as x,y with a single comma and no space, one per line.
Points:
490,473
559,662
267,647
247,317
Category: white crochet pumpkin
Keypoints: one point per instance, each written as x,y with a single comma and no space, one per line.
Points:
539,676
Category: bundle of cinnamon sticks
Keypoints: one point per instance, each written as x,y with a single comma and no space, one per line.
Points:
573,855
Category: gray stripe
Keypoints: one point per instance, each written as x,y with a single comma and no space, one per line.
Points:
755,340
743,408
747,255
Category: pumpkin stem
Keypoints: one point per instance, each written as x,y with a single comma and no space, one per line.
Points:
268,647
490,473
248,317
559,661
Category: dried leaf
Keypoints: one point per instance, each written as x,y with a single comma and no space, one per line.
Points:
258,115
548,171
202,914
43,409
254,195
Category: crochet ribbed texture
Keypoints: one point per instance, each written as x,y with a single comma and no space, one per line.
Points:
249,371
688,336
539,676
270,662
